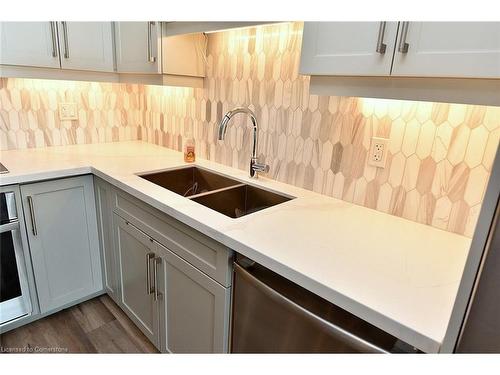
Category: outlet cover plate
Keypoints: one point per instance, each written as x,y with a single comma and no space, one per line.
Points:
379,148
68,111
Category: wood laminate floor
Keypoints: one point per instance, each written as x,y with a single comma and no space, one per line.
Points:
94,326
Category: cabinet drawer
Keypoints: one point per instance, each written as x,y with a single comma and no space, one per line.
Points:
204,253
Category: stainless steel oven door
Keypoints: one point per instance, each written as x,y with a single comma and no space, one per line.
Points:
15,301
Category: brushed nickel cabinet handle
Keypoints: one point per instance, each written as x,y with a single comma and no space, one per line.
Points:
156,261
381,46
65,36
151,58
32,215
54,37
149,256
403,46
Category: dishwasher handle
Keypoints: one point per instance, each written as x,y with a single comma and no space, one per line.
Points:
340,333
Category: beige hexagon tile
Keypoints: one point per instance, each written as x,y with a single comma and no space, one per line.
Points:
328,182
456,114
476,185
397,169
458,144
458,182
426,208
474,115
410,138
440,113
476,146
491,149
411,205
397,203
319,176
426,175
426,139
458,217
442,213
410,174
442,176
360,191
371,194
338,185
396,136
491,118
424,111
384,198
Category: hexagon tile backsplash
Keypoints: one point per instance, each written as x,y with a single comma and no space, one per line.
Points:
440,155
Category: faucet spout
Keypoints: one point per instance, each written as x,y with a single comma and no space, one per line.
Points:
223,127
255,166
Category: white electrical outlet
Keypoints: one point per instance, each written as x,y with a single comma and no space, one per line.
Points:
377,156
68,111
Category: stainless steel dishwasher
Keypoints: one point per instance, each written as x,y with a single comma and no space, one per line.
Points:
273,315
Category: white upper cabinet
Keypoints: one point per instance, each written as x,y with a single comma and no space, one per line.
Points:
412,49
348,48
29,44
448,49
86,46
138,47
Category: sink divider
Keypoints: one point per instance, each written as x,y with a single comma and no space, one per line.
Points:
215,191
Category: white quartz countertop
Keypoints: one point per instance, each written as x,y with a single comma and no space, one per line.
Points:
396,274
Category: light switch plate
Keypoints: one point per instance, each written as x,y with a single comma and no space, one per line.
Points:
68,111
377,156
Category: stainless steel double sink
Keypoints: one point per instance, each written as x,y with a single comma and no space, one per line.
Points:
215,191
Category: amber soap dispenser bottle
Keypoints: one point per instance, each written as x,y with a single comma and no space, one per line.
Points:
189,151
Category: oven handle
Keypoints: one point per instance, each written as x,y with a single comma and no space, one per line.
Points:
9,227
346,336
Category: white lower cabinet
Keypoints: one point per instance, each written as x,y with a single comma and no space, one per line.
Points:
137,254
63,240
162,285
195,308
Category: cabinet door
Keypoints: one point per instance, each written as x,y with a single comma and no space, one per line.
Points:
137,47
348,48
29,44
103,196
136,255
448,49
86,46
62,235
195,309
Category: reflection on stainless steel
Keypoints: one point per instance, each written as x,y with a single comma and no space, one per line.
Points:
3,169
273,315
255,166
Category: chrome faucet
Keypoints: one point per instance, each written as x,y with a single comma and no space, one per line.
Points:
255,166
